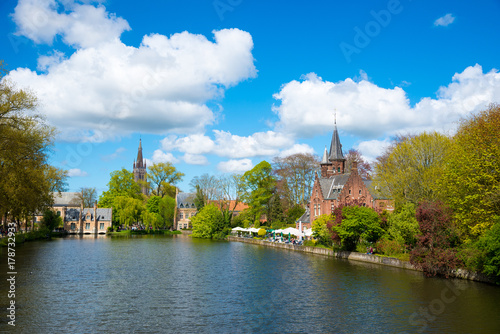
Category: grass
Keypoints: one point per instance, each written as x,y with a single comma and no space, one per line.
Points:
402,257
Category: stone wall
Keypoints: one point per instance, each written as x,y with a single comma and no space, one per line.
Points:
354,256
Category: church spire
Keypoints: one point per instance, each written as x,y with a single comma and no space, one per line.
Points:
335,145
140,160
325,157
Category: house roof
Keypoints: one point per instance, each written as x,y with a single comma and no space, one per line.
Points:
306,217
102,214
335,147
331,185
64,198
186,200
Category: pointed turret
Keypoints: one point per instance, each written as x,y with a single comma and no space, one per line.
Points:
140,162
325,157
335,147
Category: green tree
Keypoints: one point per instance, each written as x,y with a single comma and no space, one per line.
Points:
162,178
294,213
471,180
403,225
207,223
121,184
153,203
166,209
51,220
127,210
199,200
26,178
320,229
275,213
358,224
257,187
408,173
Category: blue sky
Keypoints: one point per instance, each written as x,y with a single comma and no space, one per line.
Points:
218,86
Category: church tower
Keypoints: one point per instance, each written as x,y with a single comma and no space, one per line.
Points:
333,162
140,170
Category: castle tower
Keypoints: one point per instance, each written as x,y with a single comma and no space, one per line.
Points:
333,162
140,170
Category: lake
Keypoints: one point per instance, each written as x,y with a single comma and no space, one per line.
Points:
176,284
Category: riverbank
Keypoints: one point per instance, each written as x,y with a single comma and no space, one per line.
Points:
143,232
361,257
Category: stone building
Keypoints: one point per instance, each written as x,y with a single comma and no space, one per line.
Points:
185,210
336,185
140,170
79,220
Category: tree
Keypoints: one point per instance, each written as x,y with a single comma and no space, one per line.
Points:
162,178
275,213
320,229
295,177
199,200
257,187
410,170
359,223
364,168
51,220
121,184
86,197
166,209
435,251
403,225
207,223
26,178
207,184
127,210
471,179
294,213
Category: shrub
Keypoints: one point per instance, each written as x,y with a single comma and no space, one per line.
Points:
390,247
262,232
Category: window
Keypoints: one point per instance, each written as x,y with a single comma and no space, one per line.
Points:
181,206
338,169
192,205
315,210
333,207
360,191
349,191
58,213
182,215
101,226
87,226
319,210
73,226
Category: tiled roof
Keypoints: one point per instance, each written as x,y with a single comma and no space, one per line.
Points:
330,186
306,217
186,200
102,214
64,198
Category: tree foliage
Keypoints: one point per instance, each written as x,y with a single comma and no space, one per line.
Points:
257,187
51,220
295,177
435,251
403,225
321,231
208,222
410,169
471,180
121,184
162,178
26,178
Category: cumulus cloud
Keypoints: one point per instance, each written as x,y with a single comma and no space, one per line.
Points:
114,155
235,166
444,21
225,144
371,149
160,156
306,107
195,159
80,25
297,148
160,87
76,172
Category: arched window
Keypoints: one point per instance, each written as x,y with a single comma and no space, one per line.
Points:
181,206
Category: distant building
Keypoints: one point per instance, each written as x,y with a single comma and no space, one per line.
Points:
78,220
185,210
140,170
336,186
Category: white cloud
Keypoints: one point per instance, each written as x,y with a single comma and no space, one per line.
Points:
80,25
159,87
195,159
297,148
160,156
369,111
444,20
372,149
76,172
235,166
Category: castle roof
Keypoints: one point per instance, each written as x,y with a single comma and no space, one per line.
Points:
335,147
186,200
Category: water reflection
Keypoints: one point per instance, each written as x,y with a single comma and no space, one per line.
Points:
145,284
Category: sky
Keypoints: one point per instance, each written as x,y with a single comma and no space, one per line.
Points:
217,86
